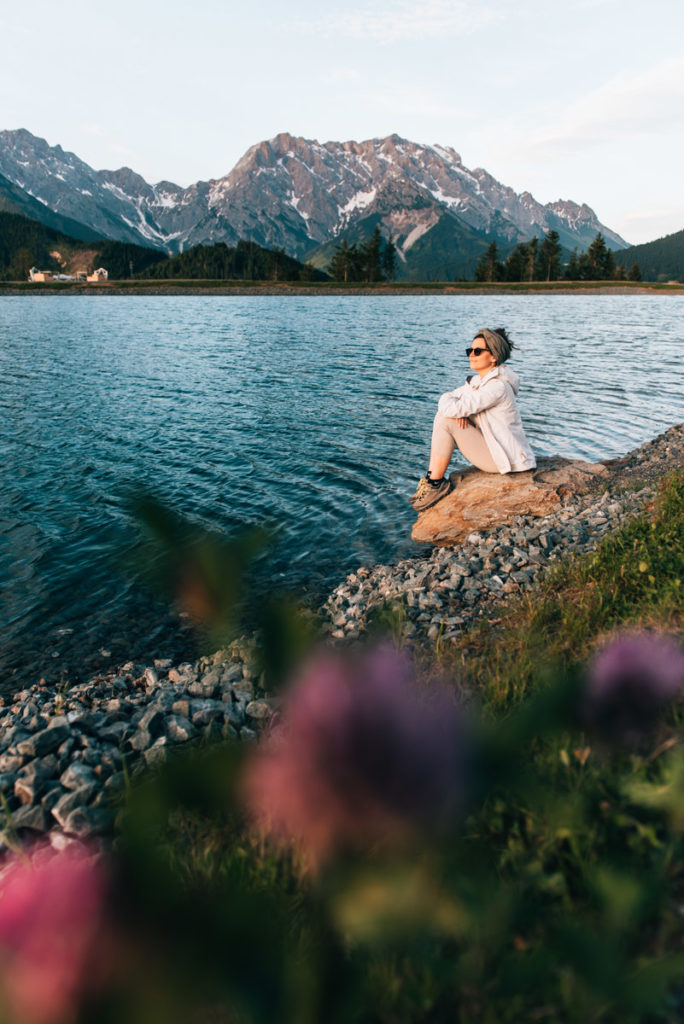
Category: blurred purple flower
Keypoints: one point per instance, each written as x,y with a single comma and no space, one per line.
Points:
629,683
360,756
50,912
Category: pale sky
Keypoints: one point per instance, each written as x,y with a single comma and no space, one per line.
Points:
583,101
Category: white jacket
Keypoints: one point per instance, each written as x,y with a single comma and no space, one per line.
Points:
490,403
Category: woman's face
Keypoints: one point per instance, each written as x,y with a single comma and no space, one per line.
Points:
483,362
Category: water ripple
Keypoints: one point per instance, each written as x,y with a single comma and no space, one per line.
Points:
312,415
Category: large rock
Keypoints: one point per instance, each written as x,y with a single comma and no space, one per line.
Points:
481,501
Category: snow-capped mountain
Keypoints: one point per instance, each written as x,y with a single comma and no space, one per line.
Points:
299,195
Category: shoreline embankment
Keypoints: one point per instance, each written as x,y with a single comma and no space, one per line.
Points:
245,288
66,753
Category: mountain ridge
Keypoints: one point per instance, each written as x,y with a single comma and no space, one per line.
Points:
302,195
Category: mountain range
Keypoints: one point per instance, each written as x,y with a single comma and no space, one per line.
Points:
301,196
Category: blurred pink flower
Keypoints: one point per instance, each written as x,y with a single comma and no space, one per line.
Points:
50,912
360,756
629,683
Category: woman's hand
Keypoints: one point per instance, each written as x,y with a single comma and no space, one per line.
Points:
463,422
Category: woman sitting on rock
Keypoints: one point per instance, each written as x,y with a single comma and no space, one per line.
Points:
481,417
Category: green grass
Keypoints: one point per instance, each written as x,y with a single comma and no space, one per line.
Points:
635,578
325,287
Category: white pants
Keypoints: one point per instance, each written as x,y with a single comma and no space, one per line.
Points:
446,434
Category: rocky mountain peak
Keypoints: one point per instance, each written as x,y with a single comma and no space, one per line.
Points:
300,194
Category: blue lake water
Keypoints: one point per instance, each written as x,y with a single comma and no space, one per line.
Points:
312,414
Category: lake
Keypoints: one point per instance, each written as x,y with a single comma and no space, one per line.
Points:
309,414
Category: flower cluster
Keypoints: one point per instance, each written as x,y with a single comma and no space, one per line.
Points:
50,916
361,756
629,683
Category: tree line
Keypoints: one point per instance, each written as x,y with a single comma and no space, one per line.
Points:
542,260
368,262
246,261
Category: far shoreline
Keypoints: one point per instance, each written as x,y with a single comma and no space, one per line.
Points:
307,288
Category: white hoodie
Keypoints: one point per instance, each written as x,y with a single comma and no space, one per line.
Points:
490,403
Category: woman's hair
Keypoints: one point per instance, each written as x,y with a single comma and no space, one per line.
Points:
498,342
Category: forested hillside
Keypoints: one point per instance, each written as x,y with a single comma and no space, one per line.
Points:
661,260
247,261
25,243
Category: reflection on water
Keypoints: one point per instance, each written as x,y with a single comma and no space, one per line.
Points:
311,414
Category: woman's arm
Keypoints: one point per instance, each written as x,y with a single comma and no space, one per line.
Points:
469,401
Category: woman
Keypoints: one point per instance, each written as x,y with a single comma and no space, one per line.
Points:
481,418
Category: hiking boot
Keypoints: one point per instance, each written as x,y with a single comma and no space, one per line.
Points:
428,494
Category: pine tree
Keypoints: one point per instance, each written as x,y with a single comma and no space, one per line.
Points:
635,272
516,262
389,259
600,260
372,257
489,267
549,258
531,264
345,264
572,271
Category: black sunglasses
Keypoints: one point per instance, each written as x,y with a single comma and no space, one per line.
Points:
476,351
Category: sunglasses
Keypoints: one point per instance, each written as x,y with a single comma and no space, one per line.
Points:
476,351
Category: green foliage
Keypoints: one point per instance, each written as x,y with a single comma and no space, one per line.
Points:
555,897
371,261
490,267
660,260
247,261
26,243
635,576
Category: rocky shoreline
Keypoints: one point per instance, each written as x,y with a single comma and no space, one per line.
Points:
65,755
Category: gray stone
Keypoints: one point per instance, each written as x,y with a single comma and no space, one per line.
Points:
87,821
50,798
258,709
78,775
11,763
28,789
115,732
180,729
205,687
44,742
65,806
115,783
140,740
151,678
156,754
152,721
33,818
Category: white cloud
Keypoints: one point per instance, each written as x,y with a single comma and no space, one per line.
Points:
648,104
410,20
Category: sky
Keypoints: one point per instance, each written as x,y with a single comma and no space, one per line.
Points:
583,101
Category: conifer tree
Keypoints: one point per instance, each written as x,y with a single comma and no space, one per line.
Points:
372,257
549,257
489,267
635,272
572,271
516,263
389,259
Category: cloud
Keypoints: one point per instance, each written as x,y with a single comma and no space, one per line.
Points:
651,103
410,20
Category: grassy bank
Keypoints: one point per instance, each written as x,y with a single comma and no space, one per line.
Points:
634,579
179,287
554,897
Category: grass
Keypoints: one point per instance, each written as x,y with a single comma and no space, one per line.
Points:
635,578
556,899
339,287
